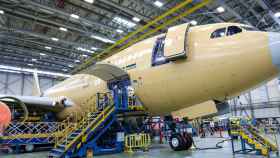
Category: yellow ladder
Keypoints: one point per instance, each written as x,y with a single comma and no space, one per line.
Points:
80,132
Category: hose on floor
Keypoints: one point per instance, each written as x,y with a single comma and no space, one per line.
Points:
217,146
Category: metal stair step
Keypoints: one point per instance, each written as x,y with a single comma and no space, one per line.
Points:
55,154
61,146
57,150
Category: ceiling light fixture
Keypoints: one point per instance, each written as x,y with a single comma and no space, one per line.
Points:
2,12
220,9
158,4
32,70
54,39
193,22
136,19
119,31
74,16
42,54
277,14
47,47
85,50
124,22
94,48
89,1
63,29
106,40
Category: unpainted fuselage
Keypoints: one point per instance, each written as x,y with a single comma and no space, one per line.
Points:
215,68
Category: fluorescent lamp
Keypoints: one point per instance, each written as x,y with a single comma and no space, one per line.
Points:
220,9
32,70
2,12
94,48
64,69
193,22
77,61
54,39
119,31
89,1
47,47
42,54
74,16
63,29
84,55
70,66
33,59
136,19
124,22
84,49
12,71
277,14
158,4
106,40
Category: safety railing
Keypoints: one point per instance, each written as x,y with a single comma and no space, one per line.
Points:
265,143
137,141
65,128
30,130
86,123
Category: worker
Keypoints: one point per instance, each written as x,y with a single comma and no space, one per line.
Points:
105,100
131,96
212,127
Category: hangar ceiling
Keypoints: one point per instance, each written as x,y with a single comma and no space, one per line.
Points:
59,35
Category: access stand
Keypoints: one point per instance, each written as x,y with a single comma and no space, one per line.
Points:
98,132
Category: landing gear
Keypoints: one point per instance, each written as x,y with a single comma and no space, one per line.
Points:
178,133
179,142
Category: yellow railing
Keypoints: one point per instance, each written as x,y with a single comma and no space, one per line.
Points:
85,124
261,142
137,141
48,131
66,128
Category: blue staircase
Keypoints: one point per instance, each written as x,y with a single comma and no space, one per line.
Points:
87,130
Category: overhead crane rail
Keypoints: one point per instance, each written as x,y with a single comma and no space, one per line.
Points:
128,40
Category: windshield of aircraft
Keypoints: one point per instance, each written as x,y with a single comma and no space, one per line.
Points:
249,28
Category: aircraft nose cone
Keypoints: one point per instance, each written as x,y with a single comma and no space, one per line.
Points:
274,46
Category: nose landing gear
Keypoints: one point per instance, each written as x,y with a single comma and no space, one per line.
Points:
180,142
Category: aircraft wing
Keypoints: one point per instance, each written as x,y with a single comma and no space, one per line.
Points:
55,104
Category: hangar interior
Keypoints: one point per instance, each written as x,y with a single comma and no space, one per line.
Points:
43,42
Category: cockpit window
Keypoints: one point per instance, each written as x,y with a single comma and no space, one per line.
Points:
249,28
232,30
219,33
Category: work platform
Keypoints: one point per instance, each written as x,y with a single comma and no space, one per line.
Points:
99,131
252,139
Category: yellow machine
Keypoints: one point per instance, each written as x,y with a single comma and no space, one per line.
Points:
251,136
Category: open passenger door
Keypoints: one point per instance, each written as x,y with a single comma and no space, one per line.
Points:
176,45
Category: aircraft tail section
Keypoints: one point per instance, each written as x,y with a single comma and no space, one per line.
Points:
36,91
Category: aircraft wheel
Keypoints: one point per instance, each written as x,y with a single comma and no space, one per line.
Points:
176,142
29,148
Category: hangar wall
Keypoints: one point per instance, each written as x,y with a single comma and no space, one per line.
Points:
14,83
262,102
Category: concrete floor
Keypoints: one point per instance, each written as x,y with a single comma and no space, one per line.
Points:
163,151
